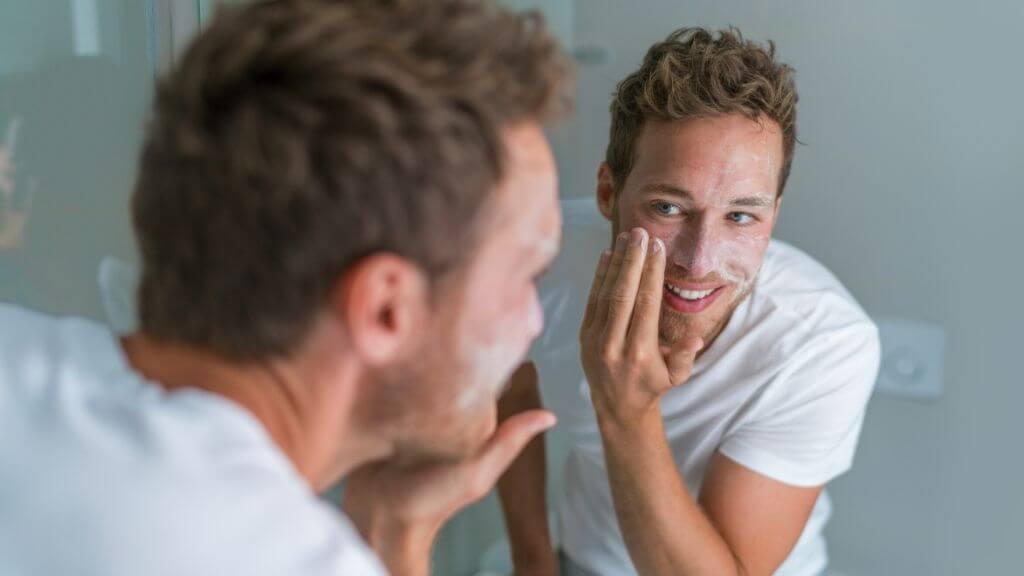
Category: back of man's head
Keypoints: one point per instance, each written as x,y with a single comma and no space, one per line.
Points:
296,137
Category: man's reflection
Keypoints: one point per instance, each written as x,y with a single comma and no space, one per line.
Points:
69,133
14,204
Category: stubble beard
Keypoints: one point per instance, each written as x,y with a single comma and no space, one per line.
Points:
674,326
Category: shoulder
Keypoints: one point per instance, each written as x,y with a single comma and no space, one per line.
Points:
22,329
276,525
255,511
806,299
193,505
257,526
38,352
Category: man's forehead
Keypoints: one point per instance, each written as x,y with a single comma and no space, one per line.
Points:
714,154
721,153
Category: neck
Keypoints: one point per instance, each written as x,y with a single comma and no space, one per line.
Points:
309,422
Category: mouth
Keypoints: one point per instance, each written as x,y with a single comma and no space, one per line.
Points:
690,301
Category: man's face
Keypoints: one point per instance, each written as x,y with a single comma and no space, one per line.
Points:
708,188
491,315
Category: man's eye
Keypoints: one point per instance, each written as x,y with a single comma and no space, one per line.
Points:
741,218
667,209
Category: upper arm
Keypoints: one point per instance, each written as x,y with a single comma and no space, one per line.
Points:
760,519
763,482
521,393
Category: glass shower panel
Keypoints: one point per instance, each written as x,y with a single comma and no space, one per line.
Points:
76,79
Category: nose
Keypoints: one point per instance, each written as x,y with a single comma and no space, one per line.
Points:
694,249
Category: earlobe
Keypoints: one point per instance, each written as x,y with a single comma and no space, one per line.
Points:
382,302
605,191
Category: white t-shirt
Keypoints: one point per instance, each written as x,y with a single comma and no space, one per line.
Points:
781,391
105,474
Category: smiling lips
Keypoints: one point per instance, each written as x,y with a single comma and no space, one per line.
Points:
691,301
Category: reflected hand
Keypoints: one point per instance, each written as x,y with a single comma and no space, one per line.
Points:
6,177
626,367
12,218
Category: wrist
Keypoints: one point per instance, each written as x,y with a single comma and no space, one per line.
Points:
624,420
405,550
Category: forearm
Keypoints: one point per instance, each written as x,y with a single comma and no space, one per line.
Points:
664,528
522,489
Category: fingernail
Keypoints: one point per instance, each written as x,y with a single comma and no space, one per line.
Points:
621,240
657,246
605,255
637,236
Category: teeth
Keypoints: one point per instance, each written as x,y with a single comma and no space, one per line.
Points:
689,294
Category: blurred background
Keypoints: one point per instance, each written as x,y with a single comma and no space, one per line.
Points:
907,186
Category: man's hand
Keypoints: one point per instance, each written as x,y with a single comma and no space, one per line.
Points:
628,370
399,509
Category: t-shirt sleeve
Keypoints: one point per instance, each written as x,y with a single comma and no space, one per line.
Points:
804,428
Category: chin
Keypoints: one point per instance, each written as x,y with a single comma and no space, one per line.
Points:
675,326
464,435
481,428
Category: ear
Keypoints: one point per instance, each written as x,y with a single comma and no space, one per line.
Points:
606,191
383,301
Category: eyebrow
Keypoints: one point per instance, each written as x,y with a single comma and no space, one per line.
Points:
746,201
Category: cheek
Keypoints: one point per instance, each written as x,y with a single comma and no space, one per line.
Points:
743,252
657,228
534,315
518,322
637,215
512,324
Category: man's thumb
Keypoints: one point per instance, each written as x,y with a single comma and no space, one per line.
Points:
681,357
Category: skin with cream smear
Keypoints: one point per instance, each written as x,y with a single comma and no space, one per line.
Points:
502,291
707,187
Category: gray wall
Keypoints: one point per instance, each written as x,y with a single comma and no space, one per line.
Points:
909,188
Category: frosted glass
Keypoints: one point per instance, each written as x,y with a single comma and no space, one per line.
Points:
75,83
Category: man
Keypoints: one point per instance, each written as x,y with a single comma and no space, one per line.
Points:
341,210
720,377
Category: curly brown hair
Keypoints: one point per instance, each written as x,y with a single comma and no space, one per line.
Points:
693,74
296,137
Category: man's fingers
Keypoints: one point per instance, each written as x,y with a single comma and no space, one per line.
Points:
508,441
595,288
643,330
614,266
681,357
618,297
